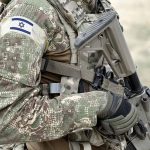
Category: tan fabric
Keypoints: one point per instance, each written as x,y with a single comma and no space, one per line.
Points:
60,144
62,56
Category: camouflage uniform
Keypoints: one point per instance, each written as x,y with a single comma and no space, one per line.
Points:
26,115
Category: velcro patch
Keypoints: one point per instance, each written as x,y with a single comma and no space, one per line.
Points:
23,26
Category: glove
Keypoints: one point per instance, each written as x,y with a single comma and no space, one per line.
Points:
119,116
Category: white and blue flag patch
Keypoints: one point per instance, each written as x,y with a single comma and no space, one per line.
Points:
23,26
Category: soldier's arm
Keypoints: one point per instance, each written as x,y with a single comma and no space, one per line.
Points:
25,115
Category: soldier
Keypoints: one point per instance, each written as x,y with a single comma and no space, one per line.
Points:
34,29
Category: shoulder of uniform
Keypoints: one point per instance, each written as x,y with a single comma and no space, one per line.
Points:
35,4
36,10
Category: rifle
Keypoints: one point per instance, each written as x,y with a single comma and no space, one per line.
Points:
105,36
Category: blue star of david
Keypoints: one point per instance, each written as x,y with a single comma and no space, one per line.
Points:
21,24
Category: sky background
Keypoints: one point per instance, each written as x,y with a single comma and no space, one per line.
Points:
135,18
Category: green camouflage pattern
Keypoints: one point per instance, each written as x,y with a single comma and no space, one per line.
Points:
18,146
25,115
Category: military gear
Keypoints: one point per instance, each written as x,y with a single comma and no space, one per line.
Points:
119,115
25,113
5,1
31,30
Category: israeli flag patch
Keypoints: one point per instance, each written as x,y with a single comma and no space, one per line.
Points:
23,26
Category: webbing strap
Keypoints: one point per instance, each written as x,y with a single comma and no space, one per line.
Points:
112,87
61,68
70,70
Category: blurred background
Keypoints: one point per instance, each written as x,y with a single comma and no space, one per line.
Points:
135,18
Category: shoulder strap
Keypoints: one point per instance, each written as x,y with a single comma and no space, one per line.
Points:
60,68
57,6
2,6
69,26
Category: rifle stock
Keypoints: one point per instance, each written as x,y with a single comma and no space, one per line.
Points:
105,35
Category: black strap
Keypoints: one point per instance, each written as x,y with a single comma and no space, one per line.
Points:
99,6
2,8
44,64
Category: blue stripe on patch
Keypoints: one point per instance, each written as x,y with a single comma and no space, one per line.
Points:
20,19
18,29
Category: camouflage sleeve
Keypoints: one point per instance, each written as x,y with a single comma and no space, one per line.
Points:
25,115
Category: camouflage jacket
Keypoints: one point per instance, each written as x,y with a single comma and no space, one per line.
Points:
26,115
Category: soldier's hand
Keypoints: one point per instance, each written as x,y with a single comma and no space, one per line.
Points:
119,116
